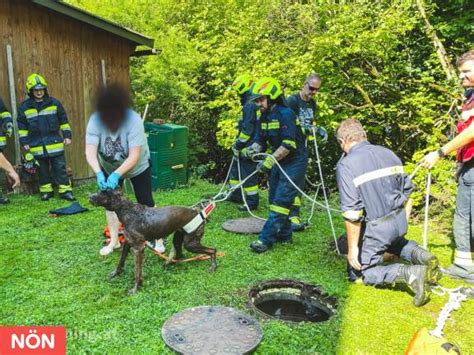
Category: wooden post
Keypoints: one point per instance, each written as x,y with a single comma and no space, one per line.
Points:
11,82
104,75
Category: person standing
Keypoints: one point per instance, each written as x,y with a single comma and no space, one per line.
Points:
279,131
44,130
247,130
117,149
374,190
463,265
304,105
6,130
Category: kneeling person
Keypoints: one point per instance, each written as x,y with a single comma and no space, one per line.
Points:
373,190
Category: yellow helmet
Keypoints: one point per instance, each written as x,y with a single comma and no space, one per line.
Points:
242,83
35,81
266,87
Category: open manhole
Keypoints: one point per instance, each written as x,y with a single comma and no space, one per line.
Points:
291,301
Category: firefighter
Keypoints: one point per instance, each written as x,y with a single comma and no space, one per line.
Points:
44,131
278,130
373,190
304,105
6,130
463,265
247,129
6,125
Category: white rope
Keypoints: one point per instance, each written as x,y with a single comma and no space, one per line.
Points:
244,199
427,205
453,304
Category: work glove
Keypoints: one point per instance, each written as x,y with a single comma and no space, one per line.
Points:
235,151
320,131
9,129
101,181
113,180
265,166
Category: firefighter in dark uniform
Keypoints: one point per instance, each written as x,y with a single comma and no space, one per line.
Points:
278,130
44,131
6,130
304,105
373,190
247,129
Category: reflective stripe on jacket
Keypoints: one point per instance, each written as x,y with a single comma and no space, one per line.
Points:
43,126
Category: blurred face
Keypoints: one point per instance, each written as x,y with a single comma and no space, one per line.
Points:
262,103
112,119
311,87
38,94
466,74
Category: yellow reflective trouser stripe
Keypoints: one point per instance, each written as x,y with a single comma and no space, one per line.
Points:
6,114
297,201
271,125
65,127
46,188
23,132
64,188
378,174
251,190
234,182
3,139
280,210
289,142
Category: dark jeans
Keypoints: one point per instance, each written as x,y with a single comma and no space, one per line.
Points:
55,166
464,222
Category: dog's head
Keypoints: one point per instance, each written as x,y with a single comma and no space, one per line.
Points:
111,200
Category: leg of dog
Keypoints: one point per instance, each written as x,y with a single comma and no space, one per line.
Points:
139,254
176,251
192,243
123,257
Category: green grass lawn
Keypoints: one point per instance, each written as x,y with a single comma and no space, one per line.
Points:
51,274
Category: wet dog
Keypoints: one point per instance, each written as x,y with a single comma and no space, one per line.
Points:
143,224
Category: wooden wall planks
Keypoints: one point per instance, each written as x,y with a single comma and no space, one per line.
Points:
68,54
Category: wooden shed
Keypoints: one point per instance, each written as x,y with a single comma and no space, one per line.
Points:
74,50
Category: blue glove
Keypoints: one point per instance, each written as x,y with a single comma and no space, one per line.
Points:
101,182
323,134
113,180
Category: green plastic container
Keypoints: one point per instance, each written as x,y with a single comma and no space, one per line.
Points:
169,155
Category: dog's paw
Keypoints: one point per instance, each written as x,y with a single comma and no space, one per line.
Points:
133,290
115,273
212,268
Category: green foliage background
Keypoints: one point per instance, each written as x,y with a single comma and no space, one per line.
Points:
377,61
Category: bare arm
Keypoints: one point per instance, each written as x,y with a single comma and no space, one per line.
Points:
465,137
353,234
131,161
91,157
9,170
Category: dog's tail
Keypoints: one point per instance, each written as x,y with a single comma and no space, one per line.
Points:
178,239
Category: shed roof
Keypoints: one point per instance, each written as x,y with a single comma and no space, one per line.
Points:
96,21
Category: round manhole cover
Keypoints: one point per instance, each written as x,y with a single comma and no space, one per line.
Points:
212,330
291,301
249,225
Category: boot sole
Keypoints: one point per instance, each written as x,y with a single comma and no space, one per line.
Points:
434,273
427,292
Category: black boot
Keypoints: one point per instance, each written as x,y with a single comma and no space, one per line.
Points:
46,196
417,278
420,256
68,196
